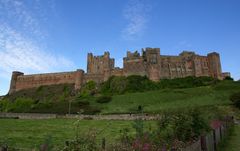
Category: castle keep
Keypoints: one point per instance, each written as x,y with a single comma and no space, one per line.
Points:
149,63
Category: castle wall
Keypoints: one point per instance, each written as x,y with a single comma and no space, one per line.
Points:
174,67
29,81
13,83
134,66
79,79
153,61
214,65
98,78
117,72
99,64
150,63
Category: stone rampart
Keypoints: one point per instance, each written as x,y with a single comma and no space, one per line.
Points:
29,81
150,63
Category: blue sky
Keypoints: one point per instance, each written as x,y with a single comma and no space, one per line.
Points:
55,35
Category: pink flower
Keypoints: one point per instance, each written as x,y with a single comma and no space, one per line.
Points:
146,147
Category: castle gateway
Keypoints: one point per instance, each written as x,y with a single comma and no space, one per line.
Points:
150,63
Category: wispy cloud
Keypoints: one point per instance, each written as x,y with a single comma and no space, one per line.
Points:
20,53
29,17
136,14
22,36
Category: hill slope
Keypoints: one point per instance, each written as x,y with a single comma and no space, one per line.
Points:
56,99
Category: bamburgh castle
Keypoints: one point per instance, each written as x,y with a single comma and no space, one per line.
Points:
150,63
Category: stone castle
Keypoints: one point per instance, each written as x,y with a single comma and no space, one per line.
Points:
150,63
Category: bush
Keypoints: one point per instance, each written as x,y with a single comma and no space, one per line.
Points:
118,85
182,126
228,78
104,99
136,83
88,89
4,105
235,98
19,105
186,82
133,83
173,130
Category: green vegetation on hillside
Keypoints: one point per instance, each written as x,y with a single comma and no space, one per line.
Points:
235,98
123,95
135,83
54,93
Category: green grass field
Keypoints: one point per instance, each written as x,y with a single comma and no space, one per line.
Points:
27,134
171,99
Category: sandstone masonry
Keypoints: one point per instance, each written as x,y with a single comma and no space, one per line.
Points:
150,63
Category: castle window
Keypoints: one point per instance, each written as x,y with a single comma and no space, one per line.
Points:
153,59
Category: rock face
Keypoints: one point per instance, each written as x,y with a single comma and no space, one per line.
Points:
150,63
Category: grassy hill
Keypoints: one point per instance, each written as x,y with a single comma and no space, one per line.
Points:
171,99
162,96
211,98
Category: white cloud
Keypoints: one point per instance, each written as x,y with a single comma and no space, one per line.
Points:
136,13
20,53
28,16
21,33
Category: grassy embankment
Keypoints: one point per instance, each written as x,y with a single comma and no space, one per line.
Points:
171,99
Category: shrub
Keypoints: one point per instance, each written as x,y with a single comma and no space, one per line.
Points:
136,83
88,89
174,129
228,78
235,98
118,85
4,105
19,105
187,82
91,85
181,126
104,99
133,83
